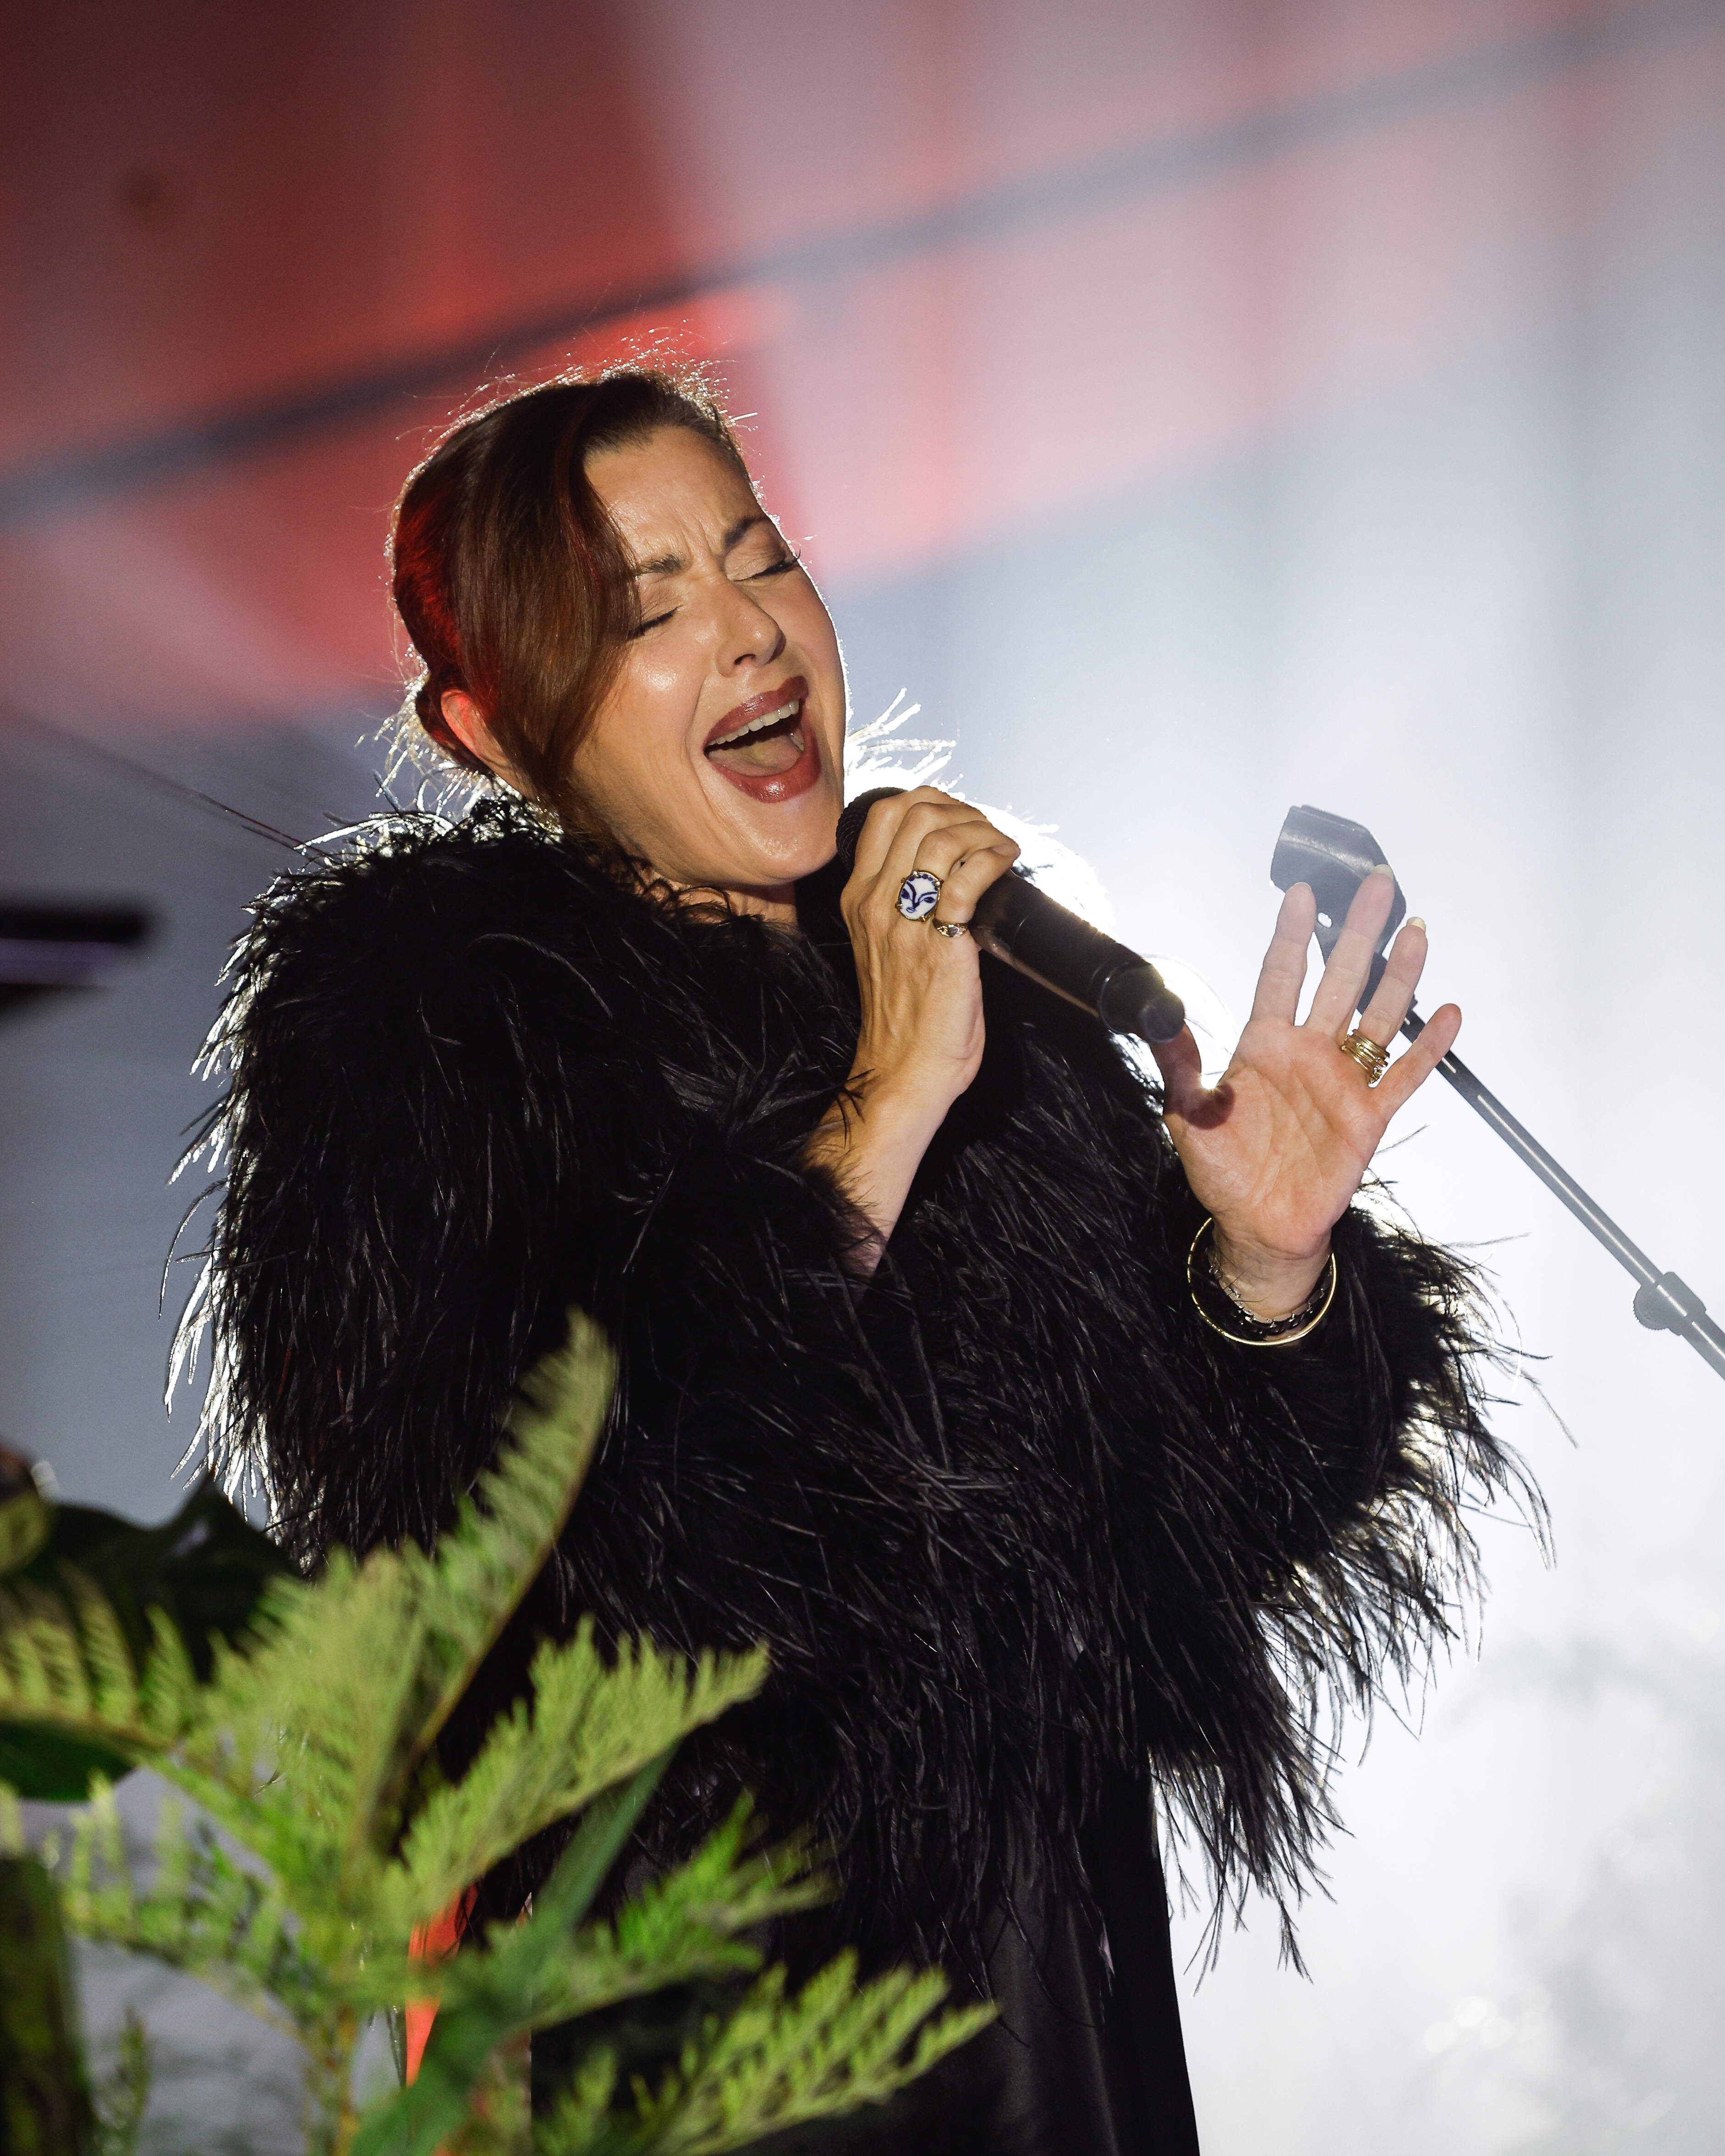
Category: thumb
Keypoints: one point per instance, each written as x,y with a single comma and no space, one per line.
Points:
1182,1070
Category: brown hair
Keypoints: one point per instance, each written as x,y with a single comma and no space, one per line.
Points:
508,575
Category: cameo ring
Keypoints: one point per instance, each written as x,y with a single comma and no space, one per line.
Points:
1371,1059
917,894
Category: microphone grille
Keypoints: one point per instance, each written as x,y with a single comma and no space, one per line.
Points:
851,822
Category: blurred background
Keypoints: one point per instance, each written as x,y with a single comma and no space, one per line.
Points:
1197,407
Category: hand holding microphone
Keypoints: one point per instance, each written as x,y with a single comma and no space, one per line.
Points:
930,888
1025,928
920,862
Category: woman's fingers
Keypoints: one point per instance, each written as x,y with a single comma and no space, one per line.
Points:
1337,995
936,835
883,827
1409,1071
944,850
1382,1018
1182,1069
1283,973
962,885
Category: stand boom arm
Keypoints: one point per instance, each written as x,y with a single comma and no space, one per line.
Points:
1664,1302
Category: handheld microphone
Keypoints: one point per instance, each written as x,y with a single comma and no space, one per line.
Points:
1024,928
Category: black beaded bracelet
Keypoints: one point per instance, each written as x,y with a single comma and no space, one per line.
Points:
1253,1332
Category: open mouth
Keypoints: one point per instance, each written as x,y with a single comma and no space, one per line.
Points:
766,746
770,742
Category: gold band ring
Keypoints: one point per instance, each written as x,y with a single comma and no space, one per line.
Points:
1371,1059
949,928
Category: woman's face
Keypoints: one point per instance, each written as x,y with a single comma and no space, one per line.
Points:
717,754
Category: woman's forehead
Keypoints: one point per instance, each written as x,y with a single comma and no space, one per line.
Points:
671,493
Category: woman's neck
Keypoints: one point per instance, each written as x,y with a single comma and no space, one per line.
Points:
777,902
773,902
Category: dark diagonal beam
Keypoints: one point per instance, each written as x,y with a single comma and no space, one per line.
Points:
51,485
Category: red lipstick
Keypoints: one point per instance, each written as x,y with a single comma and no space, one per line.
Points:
795,690
766,745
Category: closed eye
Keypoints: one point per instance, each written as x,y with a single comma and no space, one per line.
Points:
780,568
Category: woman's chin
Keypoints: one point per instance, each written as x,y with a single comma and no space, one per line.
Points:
790,848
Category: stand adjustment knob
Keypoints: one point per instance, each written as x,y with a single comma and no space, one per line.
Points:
1668,1305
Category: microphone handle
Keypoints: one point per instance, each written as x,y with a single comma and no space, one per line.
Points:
1029,930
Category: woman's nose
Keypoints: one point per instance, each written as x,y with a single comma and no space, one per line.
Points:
748,635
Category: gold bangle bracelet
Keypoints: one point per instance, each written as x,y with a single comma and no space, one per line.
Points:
1298,1322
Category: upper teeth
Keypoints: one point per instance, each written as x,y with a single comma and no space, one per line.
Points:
757,725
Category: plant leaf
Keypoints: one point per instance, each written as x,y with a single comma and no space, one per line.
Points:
774,2062
586,1727
54,1766
45,2096
596,1845
496,1549
100,1602
26,1518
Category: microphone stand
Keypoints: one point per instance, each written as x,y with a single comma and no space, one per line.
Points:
1335,857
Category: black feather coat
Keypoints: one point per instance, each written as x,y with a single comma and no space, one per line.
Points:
1023,1536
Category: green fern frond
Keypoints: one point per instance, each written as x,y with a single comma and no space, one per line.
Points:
124,2094
107,1659
12,1822
305,1725
578,2124
340,1693
498,1547
777,2062
26,1519
168,1690
309,1743
41,1661
64,1666
587,1727
592,1971
176,1855
201,1914
774,2062
304,1744
290,1744
106,1904
691,1923
732,1883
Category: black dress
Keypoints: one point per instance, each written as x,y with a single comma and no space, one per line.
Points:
1034,1551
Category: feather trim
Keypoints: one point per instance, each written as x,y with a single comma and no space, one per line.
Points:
1011,1521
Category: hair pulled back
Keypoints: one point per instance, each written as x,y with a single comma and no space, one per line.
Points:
508,575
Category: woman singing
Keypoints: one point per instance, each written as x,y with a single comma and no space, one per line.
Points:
1069,1446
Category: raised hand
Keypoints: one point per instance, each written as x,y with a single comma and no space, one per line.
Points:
1276,1150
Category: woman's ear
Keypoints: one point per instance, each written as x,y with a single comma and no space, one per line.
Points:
467,722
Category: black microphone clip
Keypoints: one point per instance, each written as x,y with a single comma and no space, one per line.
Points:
1333,857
